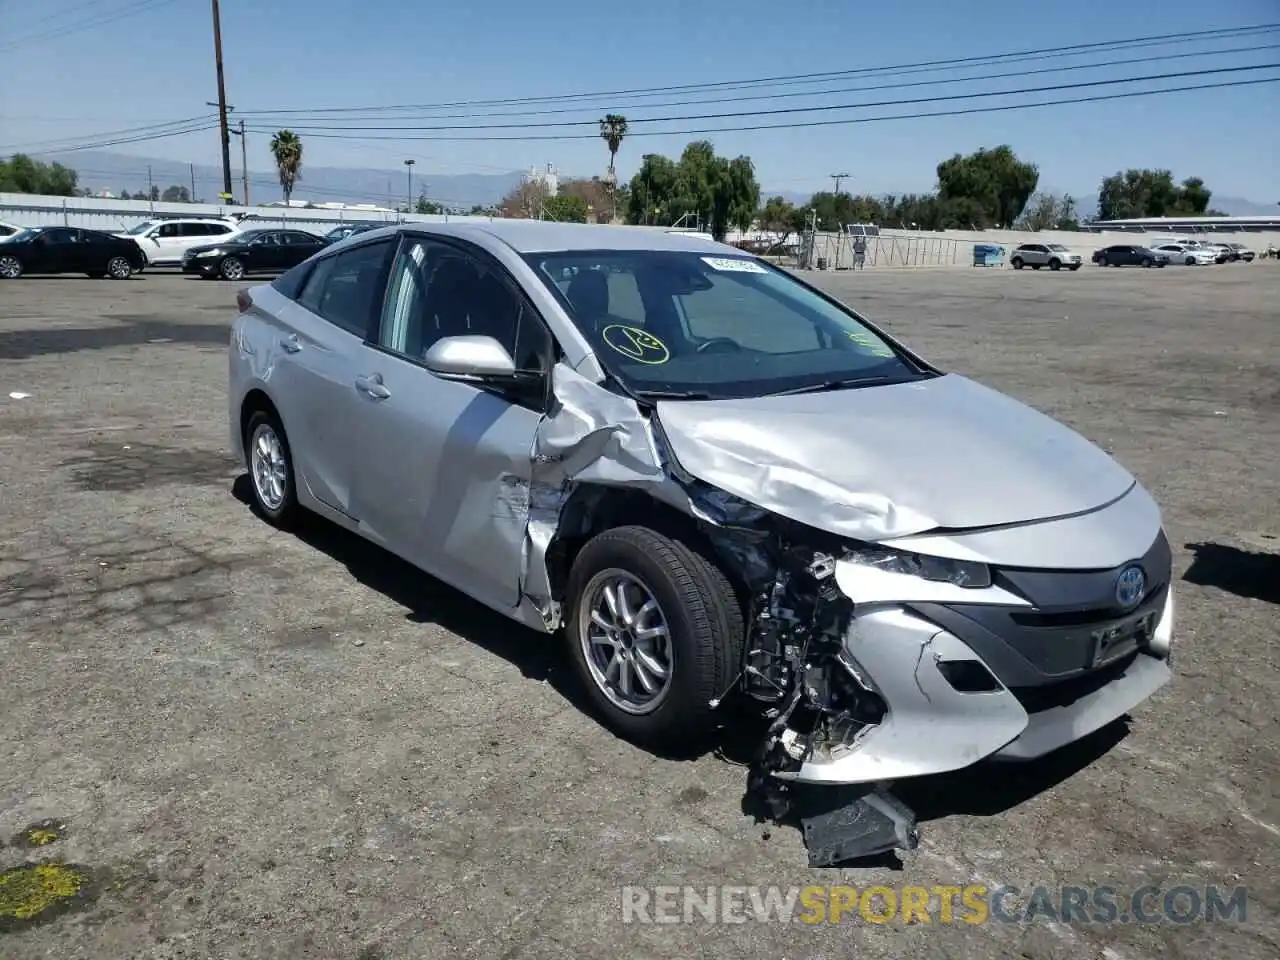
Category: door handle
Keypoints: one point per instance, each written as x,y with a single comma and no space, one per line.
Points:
372,385
291,344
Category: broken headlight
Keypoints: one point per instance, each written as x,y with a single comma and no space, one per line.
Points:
961,573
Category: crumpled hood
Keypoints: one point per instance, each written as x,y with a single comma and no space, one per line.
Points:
890,461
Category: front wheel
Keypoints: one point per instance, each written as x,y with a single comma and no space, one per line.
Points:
656,633
1146,261
1055,264
232,269
118,268
1016,263
1191,261
10,268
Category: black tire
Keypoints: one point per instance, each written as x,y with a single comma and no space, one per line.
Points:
1074,267
1055,264
1035,266
1146,261
12,268
1016,263
231,268
1161,265
1190,261
705,632
283,512
119,268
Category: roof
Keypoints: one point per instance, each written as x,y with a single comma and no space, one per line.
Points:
541,236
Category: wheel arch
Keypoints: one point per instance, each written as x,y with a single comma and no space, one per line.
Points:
257,400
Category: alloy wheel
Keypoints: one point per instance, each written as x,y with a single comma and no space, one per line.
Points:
626,641
269,467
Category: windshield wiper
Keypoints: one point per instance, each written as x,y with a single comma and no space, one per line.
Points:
846,384
673,395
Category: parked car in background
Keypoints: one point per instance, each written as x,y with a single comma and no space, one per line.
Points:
253,251
68,250
693,452
1239,252
1221,251
350,230
1052,255
1181,253
1129,255
164,242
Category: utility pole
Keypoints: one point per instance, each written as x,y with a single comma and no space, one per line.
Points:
244,158
151,189
837,177
193,181
408,207
222,103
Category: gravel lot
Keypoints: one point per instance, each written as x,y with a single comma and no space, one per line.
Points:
265,745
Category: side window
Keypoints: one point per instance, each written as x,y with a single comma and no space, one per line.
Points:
440,291
347,289
216,229
192,230
169,230
61,235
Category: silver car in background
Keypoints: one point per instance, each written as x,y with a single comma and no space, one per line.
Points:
721,484
1052,255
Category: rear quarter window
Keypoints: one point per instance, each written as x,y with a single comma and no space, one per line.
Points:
291,282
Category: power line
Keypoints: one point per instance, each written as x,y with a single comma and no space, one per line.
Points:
1171,38
799,93
201,128
107,134
780,111
144,6
1000,108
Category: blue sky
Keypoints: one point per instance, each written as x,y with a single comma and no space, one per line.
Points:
149,61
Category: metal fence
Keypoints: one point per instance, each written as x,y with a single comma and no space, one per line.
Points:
840,251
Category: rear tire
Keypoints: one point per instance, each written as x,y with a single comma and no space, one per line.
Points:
270,464
702,647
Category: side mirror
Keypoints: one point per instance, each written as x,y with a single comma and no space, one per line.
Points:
469,358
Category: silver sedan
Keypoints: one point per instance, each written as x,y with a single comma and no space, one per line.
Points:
718,482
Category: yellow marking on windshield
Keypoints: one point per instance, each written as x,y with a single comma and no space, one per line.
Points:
636,344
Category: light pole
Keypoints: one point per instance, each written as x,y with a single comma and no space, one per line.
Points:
837,177
408,207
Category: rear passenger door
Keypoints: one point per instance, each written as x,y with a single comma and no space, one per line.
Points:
444,467
313,378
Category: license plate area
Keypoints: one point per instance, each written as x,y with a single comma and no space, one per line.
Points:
1119,639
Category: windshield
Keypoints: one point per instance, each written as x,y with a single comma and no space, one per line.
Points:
22,233
713,327
142,227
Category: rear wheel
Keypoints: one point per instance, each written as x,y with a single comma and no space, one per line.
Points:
656,633
10,268
270,468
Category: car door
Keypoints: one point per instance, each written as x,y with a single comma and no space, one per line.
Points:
169,242
62,251
444,467
297,247
263,252
313,379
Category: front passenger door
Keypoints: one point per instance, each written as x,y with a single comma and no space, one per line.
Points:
444,467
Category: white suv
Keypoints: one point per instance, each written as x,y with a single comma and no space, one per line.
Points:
164,242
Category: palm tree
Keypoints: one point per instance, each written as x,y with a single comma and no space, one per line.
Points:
287,150
613,130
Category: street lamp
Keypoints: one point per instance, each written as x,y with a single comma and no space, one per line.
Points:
408,207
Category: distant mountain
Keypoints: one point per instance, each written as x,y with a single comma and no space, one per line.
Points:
1238,207
100,170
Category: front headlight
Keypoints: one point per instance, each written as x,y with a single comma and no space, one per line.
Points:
960,573
208,253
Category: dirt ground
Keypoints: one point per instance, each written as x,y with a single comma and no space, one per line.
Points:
293,746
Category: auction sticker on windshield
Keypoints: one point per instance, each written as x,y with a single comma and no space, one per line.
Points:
733,265
636,344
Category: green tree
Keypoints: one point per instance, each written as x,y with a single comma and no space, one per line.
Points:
777,216
613,130
1046,211
124,195
425,206
155,193
176,194
716,192
286,149
566,209
652,190
988,187
21,174
1151,193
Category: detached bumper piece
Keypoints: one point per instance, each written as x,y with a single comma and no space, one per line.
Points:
870,826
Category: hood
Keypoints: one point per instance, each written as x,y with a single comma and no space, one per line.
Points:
889,461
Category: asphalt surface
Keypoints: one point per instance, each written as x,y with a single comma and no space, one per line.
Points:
271,745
